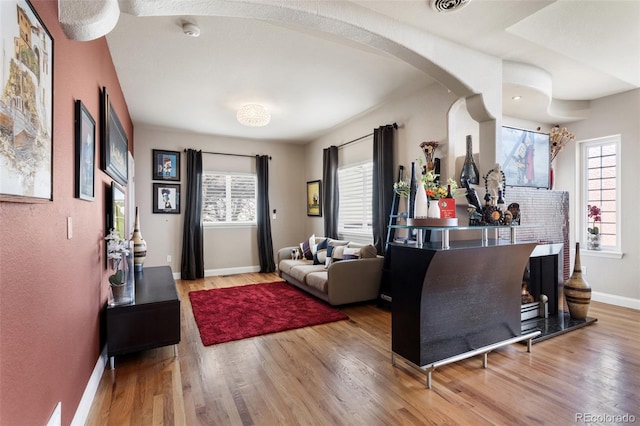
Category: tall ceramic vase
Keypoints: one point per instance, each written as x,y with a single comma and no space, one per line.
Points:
139,245
421,208
577,291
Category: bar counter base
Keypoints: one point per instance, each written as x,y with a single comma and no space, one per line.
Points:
428,369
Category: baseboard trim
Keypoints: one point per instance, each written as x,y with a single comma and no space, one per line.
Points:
612,299
82,412
224,271
231,271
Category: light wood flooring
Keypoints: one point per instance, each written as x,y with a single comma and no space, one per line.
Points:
341,374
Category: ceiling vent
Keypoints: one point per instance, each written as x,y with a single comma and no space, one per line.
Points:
448,5
190,29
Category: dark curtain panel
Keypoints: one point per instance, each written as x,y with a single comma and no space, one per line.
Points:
330,191
192,264
265,243
382,183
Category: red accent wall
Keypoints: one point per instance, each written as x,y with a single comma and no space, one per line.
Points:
52,289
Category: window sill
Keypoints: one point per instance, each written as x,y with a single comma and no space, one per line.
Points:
229,225
607,254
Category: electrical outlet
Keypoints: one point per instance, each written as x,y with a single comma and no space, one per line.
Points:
168,258
69,228
584,270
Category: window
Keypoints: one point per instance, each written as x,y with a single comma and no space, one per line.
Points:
228,199
356,197
600,186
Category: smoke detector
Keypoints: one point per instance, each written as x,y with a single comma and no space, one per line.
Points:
448,5
191,30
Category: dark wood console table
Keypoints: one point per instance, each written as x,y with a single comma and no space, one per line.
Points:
455,302
153,320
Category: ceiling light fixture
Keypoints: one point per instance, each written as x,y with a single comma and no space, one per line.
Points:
516,97
448,5
253,115
191,30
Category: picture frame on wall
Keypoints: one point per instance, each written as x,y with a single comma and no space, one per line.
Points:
166,198
114,143
85,134
166,165
314,198
117,210
524,157
26,115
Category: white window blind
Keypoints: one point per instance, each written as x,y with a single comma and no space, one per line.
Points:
600,187
228,198
356,193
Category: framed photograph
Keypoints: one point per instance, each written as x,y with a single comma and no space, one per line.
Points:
314,198
85,128
166,165
166,198
113,141
524,157
26,105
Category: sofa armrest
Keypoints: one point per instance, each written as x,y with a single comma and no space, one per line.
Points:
285,253
354,280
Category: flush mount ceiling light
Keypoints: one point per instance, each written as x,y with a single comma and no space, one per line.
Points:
253,115
448,5
516,97
191,30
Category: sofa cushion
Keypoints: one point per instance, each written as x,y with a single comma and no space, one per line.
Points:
285,265
318,280
368,251
306,246
299,272
336,243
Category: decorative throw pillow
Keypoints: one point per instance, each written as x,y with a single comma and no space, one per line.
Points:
338,253
327,261
305,246
320,251
351,253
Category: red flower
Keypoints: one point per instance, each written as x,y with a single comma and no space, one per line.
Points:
594,213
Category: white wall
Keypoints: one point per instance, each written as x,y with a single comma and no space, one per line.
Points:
226,250
422,116
612,280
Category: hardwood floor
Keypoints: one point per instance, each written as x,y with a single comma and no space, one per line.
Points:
341,374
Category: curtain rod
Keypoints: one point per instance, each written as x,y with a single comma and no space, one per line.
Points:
395,126
226,153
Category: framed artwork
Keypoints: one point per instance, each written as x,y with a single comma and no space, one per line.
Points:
26,105
113,140
314,198
166,165
524,157
166,198
85,129
116,210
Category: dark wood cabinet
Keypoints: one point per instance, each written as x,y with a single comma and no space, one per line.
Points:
152,321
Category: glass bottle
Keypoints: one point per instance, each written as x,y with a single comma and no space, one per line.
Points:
469,169
501,204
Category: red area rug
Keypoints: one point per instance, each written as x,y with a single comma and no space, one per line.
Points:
234,313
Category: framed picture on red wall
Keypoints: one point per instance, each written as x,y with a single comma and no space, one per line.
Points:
26,105
85,129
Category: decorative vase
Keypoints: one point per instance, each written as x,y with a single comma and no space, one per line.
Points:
421,208
139,245
593,241
577,291
123,293
469,169
434,210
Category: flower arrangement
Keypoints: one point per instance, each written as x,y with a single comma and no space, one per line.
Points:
429,151
402,188
559,138
594,215
117,250
434,190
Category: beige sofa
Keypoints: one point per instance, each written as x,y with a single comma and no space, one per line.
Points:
339,282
